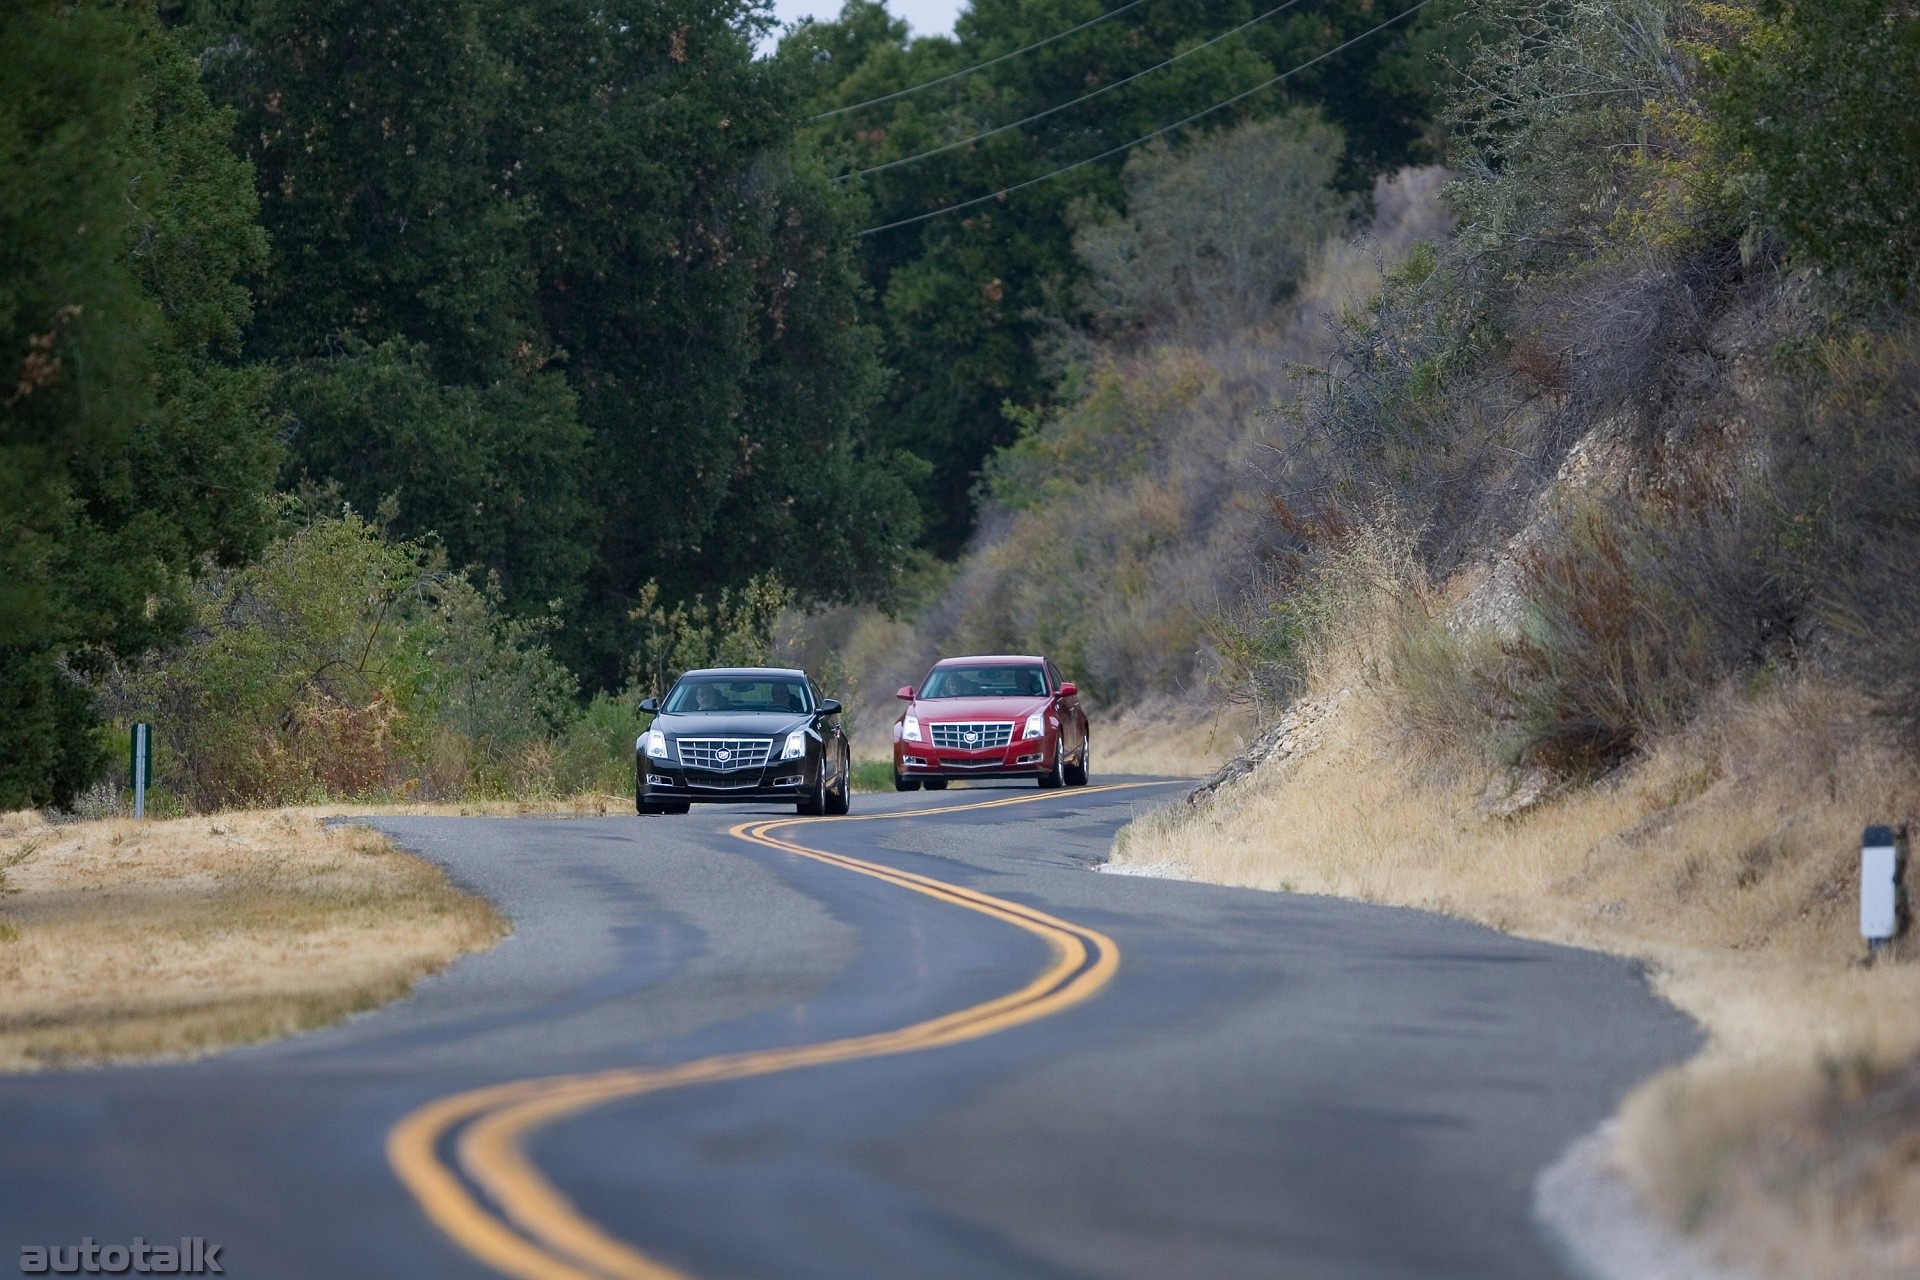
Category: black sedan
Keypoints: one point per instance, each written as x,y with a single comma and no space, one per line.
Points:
733,734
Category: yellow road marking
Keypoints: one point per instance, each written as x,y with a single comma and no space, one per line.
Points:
532,1231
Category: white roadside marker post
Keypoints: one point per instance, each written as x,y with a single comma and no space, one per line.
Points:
1879,888
142,767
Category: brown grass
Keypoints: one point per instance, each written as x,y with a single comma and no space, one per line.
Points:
1726,858
122,939
1167,737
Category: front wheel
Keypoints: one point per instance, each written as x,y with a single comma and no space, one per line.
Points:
1076,772
1056,776
840,799
814,803
905,784
936,784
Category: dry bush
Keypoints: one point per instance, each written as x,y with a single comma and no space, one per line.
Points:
1330,601
1217,231
1806,1169
1634,609
1849,467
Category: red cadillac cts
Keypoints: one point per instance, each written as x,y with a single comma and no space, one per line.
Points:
990,717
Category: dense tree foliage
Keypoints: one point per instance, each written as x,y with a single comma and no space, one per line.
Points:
553,283
132,443
1815,100
1214,233
965,299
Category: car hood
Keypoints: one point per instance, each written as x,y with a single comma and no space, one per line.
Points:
732,724
976,708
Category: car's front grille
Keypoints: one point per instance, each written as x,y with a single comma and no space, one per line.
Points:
725,755
973,735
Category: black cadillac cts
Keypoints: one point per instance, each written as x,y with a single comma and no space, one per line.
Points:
742,733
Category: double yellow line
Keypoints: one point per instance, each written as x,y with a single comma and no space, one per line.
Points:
464,1158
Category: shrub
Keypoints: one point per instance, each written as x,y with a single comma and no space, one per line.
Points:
342,664
736,630
595,751
1815,104
1217,232
1634,607
1850,467
1308,611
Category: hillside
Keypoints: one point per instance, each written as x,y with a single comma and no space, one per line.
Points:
1550,533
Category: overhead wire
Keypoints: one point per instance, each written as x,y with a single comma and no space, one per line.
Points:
990,62
1160,132
1085,97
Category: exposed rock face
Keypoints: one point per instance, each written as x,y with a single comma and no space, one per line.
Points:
1514,791
1293,735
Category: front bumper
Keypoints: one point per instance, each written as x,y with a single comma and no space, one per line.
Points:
669,781
1029,758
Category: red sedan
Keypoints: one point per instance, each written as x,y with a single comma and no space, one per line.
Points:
990,717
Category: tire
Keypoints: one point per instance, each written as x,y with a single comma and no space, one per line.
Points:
682,807
815,802
840,799
1056,776
935,784
905,784
1077,773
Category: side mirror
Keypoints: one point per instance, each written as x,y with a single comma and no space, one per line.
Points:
1068,688
829,707
649,706
906,693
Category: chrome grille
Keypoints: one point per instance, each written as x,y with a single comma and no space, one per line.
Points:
725,755
973,735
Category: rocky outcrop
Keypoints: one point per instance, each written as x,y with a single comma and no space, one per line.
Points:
1293,735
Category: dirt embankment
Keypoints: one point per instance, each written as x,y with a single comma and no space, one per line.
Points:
1727,859
123,939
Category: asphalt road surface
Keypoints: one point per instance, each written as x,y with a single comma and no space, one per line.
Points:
701,1055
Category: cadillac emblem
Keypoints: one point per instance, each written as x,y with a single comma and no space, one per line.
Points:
723,755
973,737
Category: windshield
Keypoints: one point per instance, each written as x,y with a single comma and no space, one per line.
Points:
715,693
985,682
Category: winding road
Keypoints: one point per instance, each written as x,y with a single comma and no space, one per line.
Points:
925,1041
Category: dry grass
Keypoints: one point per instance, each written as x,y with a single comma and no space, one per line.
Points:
1726,858
127,940
1168,737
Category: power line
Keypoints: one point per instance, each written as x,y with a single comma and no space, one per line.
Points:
1127,146
990,62
1085,97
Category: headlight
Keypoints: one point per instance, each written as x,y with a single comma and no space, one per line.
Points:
796,744
911,730
654,743
1036,724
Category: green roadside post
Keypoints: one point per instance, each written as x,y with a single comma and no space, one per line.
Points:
141,766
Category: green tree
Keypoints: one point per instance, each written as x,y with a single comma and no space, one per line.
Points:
399,306
693,264
553,282
966,300
495,472
1816,103
133,446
